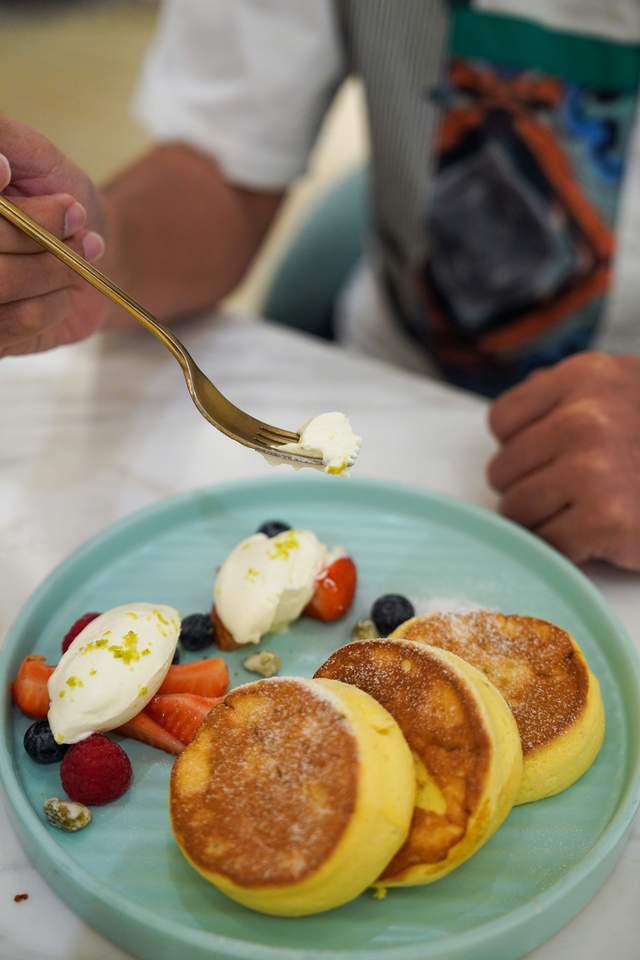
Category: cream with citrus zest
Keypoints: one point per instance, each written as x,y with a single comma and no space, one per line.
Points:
330,437
265,583
111,670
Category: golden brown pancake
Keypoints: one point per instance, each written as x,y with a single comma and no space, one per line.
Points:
543,676
294,794
464,741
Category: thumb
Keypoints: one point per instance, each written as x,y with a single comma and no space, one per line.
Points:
5,172
34,164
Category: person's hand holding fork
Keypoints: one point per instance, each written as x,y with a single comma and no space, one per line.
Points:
42,303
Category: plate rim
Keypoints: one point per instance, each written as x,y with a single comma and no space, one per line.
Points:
32,831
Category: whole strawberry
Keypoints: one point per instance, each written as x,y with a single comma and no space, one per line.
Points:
95,771
77,628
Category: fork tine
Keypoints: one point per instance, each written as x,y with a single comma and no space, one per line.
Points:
288,457
289,435
272,435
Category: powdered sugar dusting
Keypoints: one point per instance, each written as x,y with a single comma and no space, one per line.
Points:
438,713
447,605
266,790
532,662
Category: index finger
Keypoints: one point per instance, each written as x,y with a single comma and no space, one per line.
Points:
524,404
59,213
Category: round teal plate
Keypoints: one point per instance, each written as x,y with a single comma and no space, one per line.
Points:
125,876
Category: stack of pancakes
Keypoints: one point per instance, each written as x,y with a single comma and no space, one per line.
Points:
542,674
391,767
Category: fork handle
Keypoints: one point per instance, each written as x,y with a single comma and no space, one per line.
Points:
93,276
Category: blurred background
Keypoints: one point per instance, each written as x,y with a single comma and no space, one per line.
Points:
68,68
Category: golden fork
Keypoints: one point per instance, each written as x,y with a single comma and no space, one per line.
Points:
212,404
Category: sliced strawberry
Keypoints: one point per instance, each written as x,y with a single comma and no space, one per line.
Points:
180,713
335,589
29,689
77,628
207,678
222,637
143,727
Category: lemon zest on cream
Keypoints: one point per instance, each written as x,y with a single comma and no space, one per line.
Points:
283,545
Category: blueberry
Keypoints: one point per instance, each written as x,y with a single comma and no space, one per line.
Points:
40,744
389,611
176,656
273,527
196,631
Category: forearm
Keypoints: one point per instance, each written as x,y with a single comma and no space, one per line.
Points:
180,237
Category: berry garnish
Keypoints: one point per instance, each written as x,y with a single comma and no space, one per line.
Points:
95,771
77,628
224,639
389,611
144,728
207,678
196,631
40,743
180,714
334,590
176,656
29,690
273,527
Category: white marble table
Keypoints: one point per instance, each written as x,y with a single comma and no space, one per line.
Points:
90,433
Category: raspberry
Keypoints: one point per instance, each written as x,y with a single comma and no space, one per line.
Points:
77,628
95,771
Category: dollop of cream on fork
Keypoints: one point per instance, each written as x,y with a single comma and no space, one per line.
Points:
328,436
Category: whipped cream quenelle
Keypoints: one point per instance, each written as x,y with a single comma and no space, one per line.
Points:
265,583
112,669
329,436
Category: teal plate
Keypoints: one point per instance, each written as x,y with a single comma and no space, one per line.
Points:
125,876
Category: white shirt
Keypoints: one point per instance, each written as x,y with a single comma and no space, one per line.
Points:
247,81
